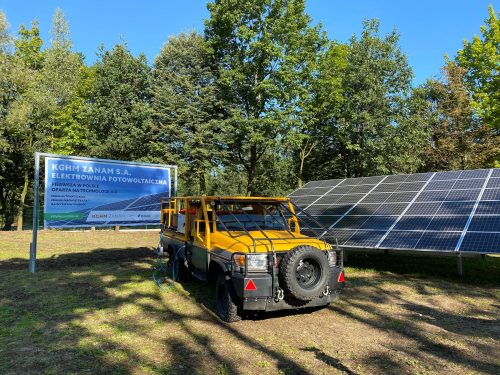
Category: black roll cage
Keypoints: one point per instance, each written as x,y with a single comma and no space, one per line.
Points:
321,232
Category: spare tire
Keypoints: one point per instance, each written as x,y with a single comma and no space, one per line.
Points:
304,272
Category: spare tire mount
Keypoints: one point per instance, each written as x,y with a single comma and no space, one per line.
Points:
304,272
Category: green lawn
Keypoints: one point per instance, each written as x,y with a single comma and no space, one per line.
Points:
92,308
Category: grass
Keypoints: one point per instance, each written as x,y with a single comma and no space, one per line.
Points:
477,270
93,308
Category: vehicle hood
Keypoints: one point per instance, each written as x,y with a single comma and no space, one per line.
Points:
281,240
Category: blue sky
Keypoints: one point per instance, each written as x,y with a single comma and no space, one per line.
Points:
429,29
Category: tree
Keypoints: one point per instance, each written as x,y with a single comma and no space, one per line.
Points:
19,75
42,112
258,46
26,114
459,140
28,48
481,60
66,82
7,95
186,110
4,33
376,85
407,141
120,105
318,101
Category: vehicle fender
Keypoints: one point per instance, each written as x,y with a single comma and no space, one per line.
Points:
222,265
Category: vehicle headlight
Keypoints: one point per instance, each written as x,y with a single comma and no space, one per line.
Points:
332,258
255,262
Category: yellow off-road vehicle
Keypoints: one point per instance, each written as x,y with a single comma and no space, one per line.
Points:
263,253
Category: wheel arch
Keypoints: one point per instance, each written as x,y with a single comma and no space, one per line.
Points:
215,268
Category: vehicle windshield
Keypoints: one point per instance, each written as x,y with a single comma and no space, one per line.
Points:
250,216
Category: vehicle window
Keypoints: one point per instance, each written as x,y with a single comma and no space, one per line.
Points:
249,216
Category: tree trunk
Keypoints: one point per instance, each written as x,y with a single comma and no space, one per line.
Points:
302,158
20,207
252,170
9,217
202,184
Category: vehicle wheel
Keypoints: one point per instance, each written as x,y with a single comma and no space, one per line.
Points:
304,272
226,300
176,267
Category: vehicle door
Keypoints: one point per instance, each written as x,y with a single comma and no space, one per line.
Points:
197,249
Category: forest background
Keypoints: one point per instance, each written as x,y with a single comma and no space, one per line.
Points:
258,104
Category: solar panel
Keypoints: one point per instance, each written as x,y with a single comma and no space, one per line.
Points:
491,195
379,223
438,240
493,183
440,211
413,223
364,238
401,239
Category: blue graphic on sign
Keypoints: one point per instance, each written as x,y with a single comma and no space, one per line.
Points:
86,193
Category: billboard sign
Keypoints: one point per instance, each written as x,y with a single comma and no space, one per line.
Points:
95,193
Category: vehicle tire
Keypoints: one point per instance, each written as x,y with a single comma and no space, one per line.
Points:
304,272
176,267
226,300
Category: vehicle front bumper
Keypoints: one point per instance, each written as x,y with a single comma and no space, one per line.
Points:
264,298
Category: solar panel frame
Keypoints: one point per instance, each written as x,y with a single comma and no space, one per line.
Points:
447,223
404,239
487,242
365,237
488,208
381,180
493,183
379,223
484,223
428,211
491,195
415,198
419,223
448,175
438,240
329,190
474,209
401,197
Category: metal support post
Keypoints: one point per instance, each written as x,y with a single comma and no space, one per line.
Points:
460,268
175,181
32,264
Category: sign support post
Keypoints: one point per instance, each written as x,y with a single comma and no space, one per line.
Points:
32,264
175,181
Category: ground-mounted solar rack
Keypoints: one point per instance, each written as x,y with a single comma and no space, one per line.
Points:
454,212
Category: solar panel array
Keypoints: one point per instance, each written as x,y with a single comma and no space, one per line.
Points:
442,211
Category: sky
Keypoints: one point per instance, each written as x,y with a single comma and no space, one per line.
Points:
429,28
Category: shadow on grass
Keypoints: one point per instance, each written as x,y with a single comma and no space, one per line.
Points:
68,260
43,316
371,306
47,322
329,360
480,271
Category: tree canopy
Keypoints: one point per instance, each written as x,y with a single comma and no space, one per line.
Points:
258,103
